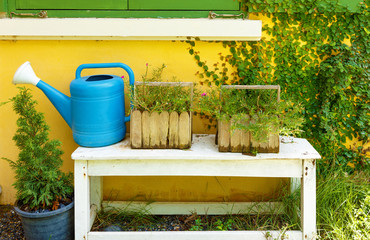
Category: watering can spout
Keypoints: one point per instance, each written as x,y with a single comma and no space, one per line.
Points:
26,75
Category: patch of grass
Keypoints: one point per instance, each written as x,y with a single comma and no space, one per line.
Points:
343,206
127,220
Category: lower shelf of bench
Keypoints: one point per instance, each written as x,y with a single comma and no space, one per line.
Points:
185,208
198,235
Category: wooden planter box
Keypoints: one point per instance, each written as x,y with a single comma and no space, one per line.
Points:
161,130
241,141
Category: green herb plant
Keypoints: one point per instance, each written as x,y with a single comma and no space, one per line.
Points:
40,183
197,226
254,111
160,98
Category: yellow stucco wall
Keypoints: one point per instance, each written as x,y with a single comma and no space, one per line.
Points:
56,61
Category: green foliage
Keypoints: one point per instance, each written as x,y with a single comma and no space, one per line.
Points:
224,225
255,111
197,226
305,54
344,97
175,98
343,206
126,219
39,182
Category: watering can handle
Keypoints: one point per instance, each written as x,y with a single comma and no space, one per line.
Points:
109,65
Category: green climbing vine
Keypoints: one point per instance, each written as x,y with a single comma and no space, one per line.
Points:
305,52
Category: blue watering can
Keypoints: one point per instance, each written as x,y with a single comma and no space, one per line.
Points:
96,109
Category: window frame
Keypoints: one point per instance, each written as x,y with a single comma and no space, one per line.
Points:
109,13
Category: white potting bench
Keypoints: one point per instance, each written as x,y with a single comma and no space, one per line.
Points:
295,160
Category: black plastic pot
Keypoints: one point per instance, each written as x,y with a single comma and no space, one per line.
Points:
54,225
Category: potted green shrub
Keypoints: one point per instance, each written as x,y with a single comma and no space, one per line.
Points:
249,118
44,192
161,114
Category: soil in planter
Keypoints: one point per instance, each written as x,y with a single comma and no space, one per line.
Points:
62,203
194,222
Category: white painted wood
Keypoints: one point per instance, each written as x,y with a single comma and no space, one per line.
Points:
308,200
294,160
196,167
82,200
203,147
201,208
129,29
93,213
295,183
96,191
197,235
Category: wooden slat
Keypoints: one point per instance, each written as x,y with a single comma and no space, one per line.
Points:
164,119
135,129
251,86
72,4
308,199
184,130
235,139
93,211
246,142
273,144
173,140
154,130
145,128
260,147
82,199
96,191
245,138
196,235
223,136
196,167
194,5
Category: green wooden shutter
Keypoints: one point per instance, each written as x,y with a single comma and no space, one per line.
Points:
183,5
122,8
72,4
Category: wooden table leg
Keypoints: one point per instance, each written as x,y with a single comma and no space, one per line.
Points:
82,200
96,197
308,200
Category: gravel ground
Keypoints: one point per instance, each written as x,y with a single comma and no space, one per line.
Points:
10,224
